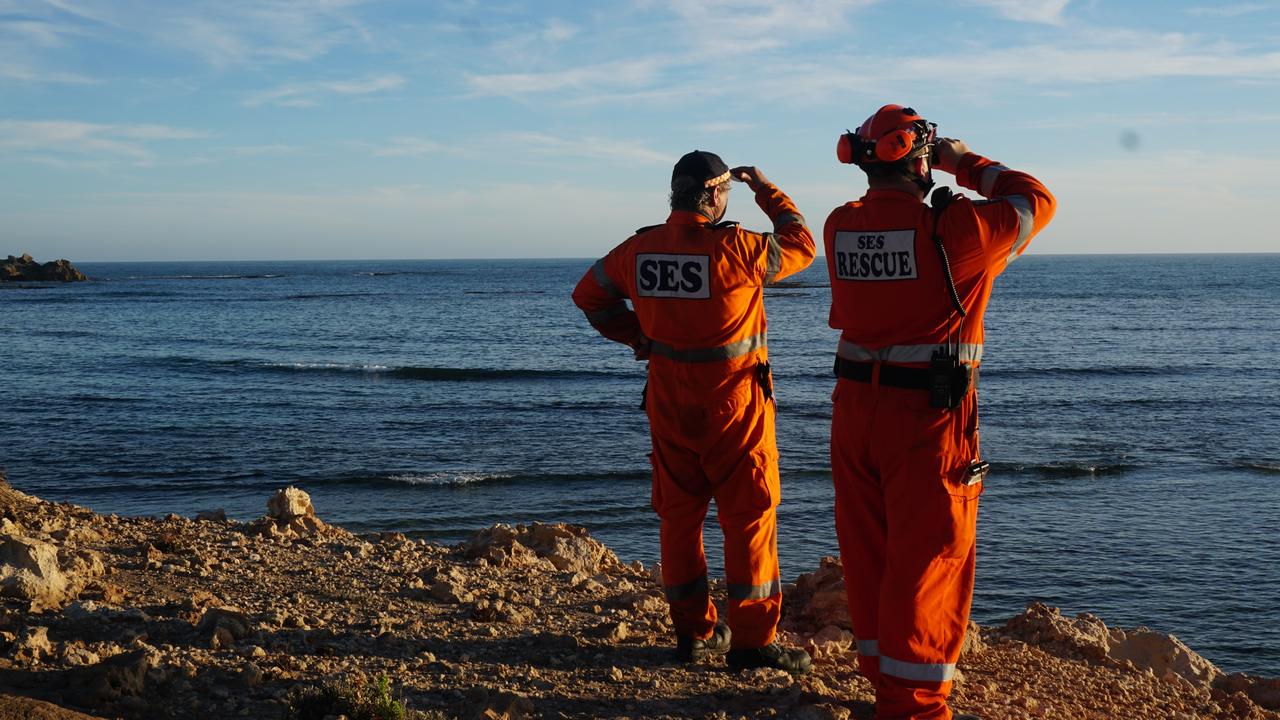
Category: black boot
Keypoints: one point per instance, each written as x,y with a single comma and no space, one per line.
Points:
692,650
773,655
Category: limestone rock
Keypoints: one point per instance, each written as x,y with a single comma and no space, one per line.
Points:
570,548
818,599
222,623
15,269
13,707
1085,636
1264,692
29,571
33,643
1161,654
830,641
218,515
973,643
290,503
116,677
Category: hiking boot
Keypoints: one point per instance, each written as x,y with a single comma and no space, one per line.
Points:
773,655
692,650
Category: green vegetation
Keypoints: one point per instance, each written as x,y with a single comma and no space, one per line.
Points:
357,700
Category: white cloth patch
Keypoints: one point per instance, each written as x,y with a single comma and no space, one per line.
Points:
878,255
673,276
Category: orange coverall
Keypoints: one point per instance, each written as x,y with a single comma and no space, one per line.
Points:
696,290
905,516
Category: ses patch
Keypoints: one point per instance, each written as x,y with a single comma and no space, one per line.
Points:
878,255
673,276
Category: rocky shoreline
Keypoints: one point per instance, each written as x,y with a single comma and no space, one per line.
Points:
25,268
107,616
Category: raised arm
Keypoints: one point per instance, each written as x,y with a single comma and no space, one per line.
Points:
1018,206
790,247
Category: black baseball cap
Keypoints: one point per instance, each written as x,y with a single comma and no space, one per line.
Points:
700,169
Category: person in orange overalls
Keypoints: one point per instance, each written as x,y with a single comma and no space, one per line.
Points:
696,287
909,287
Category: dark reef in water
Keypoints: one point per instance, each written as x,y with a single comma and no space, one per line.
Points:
16,269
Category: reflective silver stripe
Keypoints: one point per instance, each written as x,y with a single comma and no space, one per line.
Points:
1026,221
869,648
987,183
773,260
787,219
602,279
724,352
920,672
603,316
969,352
686,590
739,591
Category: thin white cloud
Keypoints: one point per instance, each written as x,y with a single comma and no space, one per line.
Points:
406,147
628,73
1048,12
1228,11
738,26
63,137
1091,57
307,94
530,46
723,127
274,150
25,73
585,147
223,33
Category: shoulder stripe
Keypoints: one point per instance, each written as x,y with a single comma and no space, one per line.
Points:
786,219
773,259
1026,221
987,184
602,279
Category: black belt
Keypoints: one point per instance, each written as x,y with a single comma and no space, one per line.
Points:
891,375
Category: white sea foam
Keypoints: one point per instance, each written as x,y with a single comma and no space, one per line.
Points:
332,367
446,478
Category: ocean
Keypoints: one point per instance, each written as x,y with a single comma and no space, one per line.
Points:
1130,409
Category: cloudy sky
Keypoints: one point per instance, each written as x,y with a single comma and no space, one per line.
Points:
279,129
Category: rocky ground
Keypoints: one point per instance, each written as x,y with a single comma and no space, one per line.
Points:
181,618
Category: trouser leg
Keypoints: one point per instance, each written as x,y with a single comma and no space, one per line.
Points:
860,520
927,587
746,507
684,563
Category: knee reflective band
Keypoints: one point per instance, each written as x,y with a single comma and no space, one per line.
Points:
920,672
755,592
686,590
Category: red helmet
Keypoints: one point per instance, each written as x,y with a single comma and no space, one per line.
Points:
891,134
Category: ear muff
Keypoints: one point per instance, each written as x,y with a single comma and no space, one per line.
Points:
894,145
845,148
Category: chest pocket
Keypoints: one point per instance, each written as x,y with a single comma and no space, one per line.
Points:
663,275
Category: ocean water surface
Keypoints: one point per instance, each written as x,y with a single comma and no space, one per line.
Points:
1131,413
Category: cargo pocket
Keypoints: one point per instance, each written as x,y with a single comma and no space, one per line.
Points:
752,489
957,533
764,471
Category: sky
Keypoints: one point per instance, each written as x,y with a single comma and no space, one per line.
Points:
336,129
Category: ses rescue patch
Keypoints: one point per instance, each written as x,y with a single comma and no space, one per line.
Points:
875,255
673,276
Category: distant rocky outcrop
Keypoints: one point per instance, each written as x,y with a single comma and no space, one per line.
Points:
16,269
